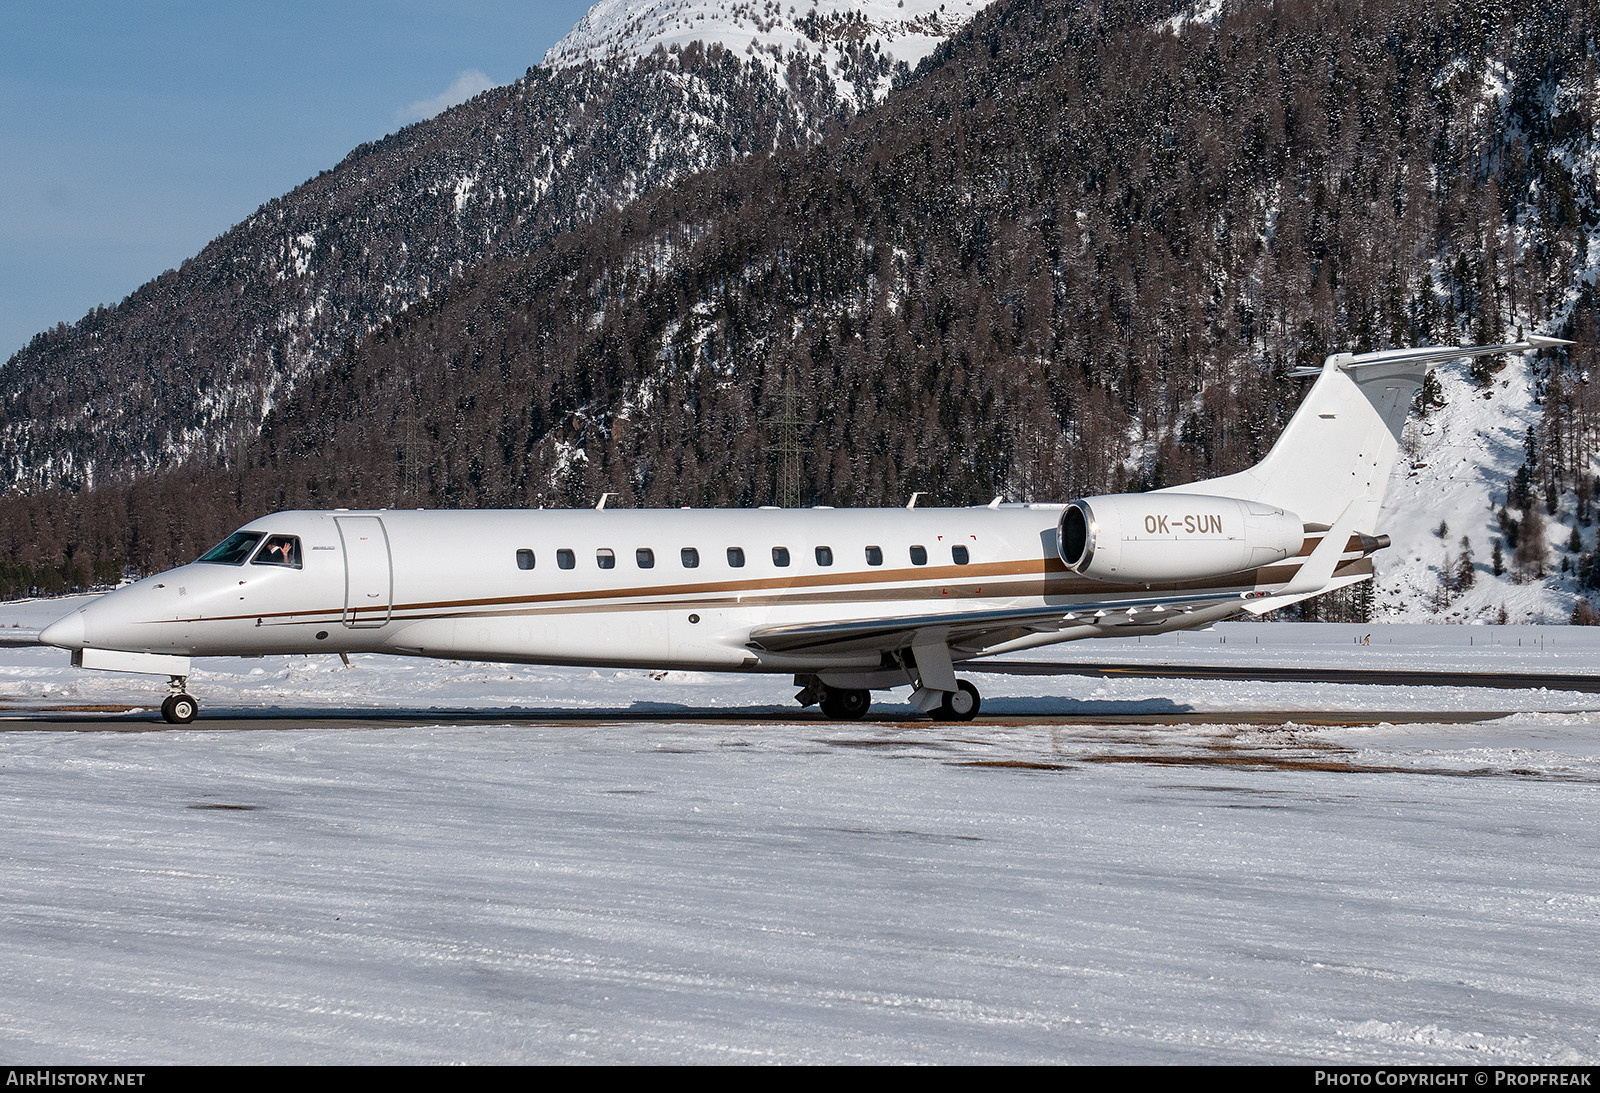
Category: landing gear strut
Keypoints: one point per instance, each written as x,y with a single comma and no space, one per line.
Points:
180,707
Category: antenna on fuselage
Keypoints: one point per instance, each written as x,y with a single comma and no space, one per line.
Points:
911,504
600,506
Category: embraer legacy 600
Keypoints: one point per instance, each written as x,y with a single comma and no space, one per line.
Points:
849,601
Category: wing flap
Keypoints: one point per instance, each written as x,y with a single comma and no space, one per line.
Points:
966,628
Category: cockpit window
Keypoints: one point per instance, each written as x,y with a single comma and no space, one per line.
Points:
234,549
281,550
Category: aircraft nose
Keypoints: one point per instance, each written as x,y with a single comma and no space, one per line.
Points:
67,633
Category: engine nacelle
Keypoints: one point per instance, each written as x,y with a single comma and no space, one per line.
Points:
1148,538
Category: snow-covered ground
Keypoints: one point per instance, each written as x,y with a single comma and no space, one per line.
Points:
33,679
782,888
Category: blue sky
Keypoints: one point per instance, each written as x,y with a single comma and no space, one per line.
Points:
133,134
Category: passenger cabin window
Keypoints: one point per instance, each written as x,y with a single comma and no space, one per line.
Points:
824,555
780,556
645,557
282,550
919,555
234,550
958,555
605,558
874,555
565,559
524,559
691,558
736,557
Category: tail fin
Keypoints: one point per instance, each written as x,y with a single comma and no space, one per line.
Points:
1340,446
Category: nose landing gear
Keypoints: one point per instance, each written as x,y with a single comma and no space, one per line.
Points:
180,707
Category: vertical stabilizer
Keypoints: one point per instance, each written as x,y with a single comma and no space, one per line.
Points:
1339,448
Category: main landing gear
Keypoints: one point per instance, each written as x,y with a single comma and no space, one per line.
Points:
935,690
180,707
852,703
961,704
838,703
843,704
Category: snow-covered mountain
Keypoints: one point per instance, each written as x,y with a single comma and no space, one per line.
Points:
191,364
861,44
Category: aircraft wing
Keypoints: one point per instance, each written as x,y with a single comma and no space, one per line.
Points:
975,630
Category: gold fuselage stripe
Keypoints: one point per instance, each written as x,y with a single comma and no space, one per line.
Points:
1042,578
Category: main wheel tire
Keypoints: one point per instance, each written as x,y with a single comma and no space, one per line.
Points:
180,709
961,704
843,704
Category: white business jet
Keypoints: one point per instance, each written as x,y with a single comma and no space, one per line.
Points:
848,600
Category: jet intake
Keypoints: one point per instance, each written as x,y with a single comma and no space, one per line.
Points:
1149,538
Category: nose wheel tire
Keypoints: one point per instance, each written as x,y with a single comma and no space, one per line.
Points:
180,709
961,704
845,705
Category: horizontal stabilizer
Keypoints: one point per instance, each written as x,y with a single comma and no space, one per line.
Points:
1348,362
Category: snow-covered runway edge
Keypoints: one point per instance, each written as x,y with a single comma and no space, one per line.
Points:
788,889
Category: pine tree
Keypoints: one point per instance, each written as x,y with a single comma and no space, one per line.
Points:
1466,572
1532,556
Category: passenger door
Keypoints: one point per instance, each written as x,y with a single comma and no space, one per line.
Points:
368,573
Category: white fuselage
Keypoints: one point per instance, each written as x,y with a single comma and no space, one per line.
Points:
533,586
